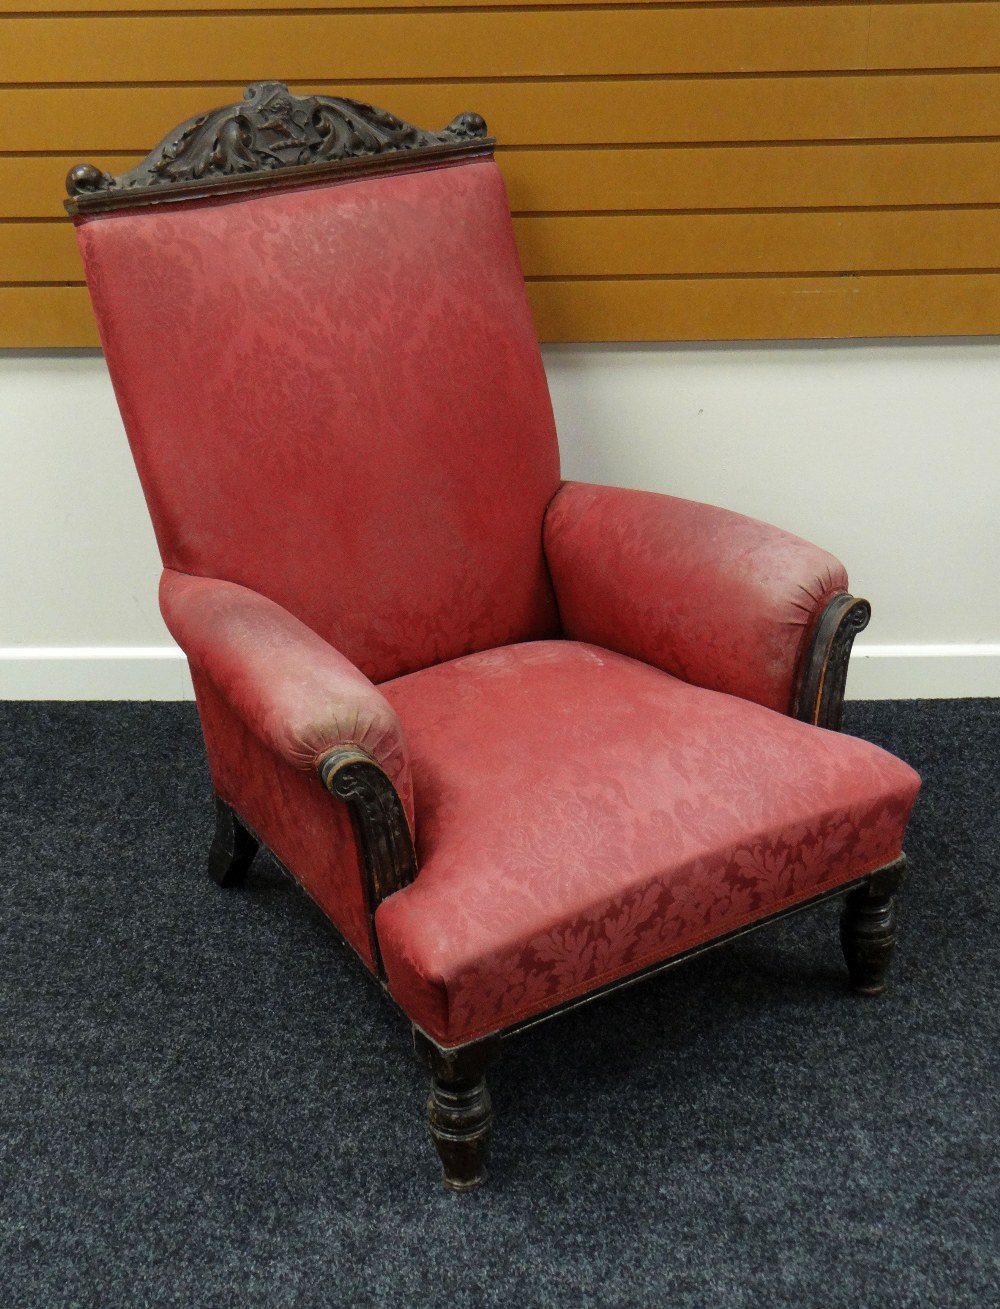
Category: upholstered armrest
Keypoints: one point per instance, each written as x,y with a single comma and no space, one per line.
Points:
288,686
718,599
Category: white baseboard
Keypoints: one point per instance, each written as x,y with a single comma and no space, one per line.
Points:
878,672
102,672
923,672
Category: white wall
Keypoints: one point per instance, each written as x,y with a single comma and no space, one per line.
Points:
886,453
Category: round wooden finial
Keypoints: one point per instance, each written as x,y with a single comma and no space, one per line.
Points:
86,179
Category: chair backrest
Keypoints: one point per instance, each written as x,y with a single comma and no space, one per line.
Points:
329,374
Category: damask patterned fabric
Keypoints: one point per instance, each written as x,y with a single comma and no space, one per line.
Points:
292,813
718,599
337,408
582,815
286,684
335,397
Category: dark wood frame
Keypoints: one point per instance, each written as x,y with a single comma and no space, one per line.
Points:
385,846
273,139
822,676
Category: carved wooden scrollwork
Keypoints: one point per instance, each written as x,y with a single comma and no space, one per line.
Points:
269,130
388,859
820,697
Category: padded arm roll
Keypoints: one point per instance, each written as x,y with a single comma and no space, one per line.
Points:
718,599
297,694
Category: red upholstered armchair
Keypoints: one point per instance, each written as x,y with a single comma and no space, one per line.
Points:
523,741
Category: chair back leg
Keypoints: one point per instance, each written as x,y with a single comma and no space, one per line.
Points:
233,847
868,929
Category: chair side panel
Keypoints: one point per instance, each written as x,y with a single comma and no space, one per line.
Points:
334,396
292,813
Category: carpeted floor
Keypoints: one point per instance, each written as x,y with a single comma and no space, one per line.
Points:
204,1103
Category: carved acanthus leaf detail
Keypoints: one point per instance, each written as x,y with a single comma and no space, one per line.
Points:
271,129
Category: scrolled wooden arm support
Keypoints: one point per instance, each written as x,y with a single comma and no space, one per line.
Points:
385,844
823,673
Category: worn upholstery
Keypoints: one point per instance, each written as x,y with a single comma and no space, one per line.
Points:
582,815
335,397
297,695
339,415
711,596
291,811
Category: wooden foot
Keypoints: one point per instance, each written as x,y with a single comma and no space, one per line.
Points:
868,930
233,848
459,1111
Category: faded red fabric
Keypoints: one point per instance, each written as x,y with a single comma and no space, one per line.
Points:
338,412
716,598
293,690
292,813
335,398
582,815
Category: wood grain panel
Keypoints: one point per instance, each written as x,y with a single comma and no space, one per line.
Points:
698,169
46,316
39,252
767,309
33,186
653,310
909,36
665,244
675,244
93,120
551,43
723,177
148,7
779,177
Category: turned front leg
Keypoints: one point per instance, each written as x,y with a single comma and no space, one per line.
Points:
459,1112
868,929
233,847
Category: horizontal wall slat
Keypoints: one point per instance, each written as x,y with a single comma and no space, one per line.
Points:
674,244
239,6
485,43
38,252
37,316
678,244
698,169
34,186
797,176
752,177
709,310
551,113
763,309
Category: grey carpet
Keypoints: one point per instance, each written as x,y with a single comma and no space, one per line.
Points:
204,1102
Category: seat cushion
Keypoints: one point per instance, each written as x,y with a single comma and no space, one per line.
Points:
581,816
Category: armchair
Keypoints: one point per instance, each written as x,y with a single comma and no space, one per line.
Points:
523,741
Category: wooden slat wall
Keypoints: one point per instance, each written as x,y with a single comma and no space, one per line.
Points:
683,170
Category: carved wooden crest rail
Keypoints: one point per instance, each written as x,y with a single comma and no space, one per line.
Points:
270,137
